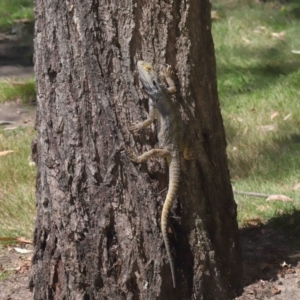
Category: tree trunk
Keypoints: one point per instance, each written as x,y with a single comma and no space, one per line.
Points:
97,233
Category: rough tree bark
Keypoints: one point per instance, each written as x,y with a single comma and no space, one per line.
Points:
97,232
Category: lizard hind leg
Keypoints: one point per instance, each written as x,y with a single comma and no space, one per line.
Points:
189,153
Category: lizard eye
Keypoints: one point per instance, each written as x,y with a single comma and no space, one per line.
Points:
154,82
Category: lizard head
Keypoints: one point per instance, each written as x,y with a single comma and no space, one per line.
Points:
149,78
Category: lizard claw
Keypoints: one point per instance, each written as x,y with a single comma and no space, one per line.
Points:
167,72
133,157
135,127
166,76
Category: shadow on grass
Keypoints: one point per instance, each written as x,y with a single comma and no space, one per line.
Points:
266,248
294,10
16,53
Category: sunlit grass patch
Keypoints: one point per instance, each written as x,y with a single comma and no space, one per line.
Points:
17,183
11,10
4,275
17,90
258,71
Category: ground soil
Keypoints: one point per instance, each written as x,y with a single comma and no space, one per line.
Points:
271,268
14,269
15,114
270,257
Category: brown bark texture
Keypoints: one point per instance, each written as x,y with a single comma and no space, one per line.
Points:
97,232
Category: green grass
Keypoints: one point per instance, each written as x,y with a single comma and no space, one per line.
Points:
17,176
17,90
17,183
11,10
4,275
258,76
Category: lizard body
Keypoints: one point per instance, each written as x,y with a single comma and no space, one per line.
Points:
162,108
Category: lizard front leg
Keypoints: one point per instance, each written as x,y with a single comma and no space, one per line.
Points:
145,156
143,124
166,76
140,125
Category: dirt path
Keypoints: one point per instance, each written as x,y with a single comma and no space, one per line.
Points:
16,71
13,115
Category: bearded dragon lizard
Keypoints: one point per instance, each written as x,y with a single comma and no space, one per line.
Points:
162,108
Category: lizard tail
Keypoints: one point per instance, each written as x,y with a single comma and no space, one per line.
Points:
174,175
